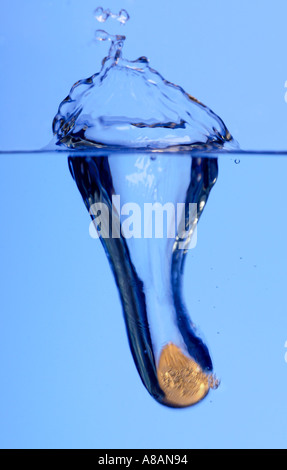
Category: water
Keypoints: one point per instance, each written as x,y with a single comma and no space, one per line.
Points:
139,142
173,361
129,105
64,350
67,375
102,15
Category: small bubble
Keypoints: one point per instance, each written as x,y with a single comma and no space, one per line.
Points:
237,161
214,381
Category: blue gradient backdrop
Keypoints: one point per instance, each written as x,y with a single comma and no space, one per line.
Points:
67,378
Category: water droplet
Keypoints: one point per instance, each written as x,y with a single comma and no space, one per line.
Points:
123,16
237,161
101,15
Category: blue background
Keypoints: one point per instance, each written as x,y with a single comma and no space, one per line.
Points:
67,377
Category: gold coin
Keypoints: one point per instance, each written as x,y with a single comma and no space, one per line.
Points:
181,379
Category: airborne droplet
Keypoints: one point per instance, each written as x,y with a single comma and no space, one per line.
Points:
101,15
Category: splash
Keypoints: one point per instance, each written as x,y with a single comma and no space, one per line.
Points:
129,104
172,360
138,123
